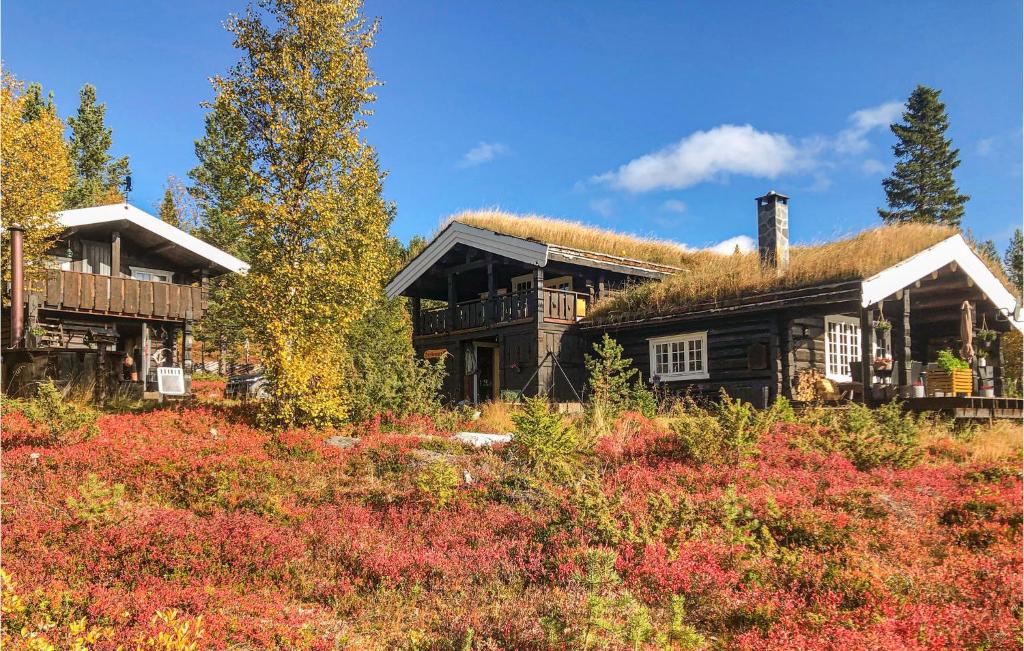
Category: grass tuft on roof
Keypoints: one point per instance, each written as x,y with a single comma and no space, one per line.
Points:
575,235
710,277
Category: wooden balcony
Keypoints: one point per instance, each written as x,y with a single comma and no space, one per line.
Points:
558,306
74,291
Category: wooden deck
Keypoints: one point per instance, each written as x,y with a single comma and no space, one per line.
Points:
73,291
970,407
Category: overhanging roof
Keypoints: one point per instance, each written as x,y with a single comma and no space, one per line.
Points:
524,250
954,250
129,218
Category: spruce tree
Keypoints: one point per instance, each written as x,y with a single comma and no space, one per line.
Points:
99,176
34,106
168,211
1013,261
921,187
221,182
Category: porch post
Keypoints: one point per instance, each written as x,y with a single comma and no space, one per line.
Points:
867,337
452,300
489,307
901,344
115,255
538,287
417,310
600,284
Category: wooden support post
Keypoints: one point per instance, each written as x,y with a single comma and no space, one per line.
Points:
417,314
146,351
787,361
900,334
538,287
998,379
600,285
186,350
115,255
453,299
867,355
489,307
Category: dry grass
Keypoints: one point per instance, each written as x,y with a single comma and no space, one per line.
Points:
576,235
495,418
999,441
710,277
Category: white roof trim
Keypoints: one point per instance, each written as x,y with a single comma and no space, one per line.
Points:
516,248
916,267
126,212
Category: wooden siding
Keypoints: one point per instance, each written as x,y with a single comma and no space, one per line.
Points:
75,291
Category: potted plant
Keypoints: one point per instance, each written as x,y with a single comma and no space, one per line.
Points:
986,340
883,324
917,389
882,363
951,377
988,391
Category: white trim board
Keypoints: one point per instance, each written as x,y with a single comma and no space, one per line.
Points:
955,249
516,248
125,212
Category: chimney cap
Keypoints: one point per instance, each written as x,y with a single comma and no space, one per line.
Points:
772,194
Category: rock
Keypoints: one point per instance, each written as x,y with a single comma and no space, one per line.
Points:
480,439
343,442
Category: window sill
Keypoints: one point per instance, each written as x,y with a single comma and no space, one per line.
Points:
676,377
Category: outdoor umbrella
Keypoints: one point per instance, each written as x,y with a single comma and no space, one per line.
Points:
966,331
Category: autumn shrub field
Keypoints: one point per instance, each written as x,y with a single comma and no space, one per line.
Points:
187,527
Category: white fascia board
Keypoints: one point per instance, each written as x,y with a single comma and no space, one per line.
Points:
517,248
125,212
916,267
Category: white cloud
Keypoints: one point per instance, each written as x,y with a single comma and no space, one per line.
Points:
852,140
483,153
985,146
603,207
745,243
707,155
674,205
872,166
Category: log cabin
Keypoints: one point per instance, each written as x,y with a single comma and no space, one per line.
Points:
862,317
119,283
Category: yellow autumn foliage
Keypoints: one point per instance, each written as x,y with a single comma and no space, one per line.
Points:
316,224
35,172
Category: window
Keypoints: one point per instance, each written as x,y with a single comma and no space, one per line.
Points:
679,357
141,273
562,282
842,346
522,283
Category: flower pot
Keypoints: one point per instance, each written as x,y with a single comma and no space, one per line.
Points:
917,391
982,361
988,392
948,383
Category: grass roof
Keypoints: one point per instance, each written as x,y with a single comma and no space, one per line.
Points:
575,235
710,277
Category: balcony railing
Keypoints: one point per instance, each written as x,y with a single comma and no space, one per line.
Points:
558,306
99,294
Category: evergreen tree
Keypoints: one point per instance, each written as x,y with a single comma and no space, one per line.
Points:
316,224
99,176
221,181
168,211
921,187
1013,261
987,249
33,104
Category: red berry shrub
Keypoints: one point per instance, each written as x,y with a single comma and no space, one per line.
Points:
279,540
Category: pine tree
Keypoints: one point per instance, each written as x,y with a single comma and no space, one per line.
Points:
36,172
316,223
33,104
988,250
221,182
168,211
921,187
1013,261
99,176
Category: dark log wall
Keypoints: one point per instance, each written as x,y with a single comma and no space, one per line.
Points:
568,345
808,337
743,355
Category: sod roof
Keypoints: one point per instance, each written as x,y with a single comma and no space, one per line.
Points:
708,277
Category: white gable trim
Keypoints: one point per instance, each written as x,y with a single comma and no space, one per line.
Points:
516,248
916,267
126,212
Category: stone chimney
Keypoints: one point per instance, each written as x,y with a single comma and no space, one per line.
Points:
773,230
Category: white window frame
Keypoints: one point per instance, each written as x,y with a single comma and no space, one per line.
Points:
522,283
852,351
161,272
685,347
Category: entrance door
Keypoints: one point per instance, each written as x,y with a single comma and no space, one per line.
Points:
485,381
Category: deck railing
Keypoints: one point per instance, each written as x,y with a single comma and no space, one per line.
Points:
558,306
76,291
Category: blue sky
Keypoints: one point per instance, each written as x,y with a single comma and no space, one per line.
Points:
662,119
